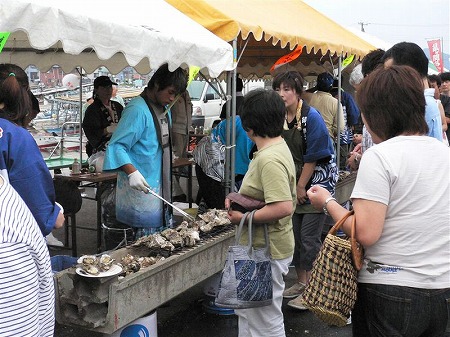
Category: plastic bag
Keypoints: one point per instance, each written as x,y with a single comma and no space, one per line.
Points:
115,233
97,160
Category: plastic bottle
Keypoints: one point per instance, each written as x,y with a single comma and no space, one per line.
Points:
76,167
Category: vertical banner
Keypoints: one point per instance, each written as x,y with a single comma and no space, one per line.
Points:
435,46
3,38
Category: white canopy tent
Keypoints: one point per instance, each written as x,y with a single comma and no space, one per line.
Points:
113,34
86,34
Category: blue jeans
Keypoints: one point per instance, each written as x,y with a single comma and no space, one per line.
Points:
391,311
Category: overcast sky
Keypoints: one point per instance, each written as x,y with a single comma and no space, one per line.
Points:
392,20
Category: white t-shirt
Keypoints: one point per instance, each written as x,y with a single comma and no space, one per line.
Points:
27,297
410,174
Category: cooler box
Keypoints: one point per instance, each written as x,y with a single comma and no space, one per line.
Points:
61,262
142,327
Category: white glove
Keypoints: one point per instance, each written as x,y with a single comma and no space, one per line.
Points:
137,181
110,129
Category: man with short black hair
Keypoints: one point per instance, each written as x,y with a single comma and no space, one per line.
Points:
445,98
140,151
445,84
410,54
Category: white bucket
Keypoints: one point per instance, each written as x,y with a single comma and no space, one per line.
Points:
142,327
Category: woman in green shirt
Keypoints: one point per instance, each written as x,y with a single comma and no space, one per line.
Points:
270,177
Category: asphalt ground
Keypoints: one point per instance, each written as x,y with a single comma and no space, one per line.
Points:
189,314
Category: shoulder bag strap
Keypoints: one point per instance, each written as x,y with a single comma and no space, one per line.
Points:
239,228
250,233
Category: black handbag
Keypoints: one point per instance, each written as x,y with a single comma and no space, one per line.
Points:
244,203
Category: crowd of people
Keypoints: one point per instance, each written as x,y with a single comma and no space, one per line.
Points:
393,133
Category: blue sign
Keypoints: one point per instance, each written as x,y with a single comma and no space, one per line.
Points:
135,330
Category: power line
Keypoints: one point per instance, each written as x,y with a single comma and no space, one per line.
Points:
406,25
362,24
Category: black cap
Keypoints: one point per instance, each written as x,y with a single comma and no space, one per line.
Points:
324,82
103,81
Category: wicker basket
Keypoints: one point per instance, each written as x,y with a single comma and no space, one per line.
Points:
332,287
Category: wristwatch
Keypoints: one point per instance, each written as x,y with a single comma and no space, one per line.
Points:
325,210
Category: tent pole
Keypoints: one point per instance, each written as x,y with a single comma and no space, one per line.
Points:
80,71
338,140
230,154
227,174
233,123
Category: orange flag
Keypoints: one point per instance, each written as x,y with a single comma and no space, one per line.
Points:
287,58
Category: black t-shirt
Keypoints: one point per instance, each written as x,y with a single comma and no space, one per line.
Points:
445,100
96,119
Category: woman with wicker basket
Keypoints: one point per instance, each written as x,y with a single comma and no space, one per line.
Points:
402,209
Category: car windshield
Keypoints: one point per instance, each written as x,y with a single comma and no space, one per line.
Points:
195,89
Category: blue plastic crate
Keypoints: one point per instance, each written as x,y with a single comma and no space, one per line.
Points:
61,262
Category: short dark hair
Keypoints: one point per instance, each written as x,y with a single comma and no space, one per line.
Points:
263,111
445,76
371,61
392,102
408,54
291,79
435,78
164,78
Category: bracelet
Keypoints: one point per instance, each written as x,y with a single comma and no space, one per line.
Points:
325,210
356,158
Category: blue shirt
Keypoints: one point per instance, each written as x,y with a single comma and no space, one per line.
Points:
351,117
243,144
432,115
319,149
21,164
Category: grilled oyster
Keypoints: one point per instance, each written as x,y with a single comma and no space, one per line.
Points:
91,269
87,260
173,237
105,262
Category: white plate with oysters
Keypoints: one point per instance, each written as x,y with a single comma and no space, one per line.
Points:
97,266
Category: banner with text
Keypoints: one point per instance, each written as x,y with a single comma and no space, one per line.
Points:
435,47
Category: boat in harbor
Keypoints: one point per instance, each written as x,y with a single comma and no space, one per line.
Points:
56,128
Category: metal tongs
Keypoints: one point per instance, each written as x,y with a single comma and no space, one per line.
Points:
190,217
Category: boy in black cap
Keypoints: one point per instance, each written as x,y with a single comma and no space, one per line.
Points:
326,104
101,116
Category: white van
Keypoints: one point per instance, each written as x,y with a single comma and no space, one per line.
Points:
206,103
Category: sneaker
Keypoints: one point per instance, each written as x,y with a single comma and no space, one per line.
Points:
297,304
52,241
294,291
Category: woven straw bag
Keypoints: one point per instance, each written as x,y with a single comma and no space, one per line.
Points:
332,287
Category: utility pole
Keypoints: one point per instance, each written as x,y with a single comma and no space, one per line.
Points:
362,25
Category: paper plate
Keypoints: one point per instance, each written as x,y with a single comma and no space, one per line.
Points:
114,270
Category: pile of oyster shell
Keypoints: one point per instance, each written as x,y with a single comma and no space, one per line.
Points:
94,265
212,219
168,240
133,263
187,234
